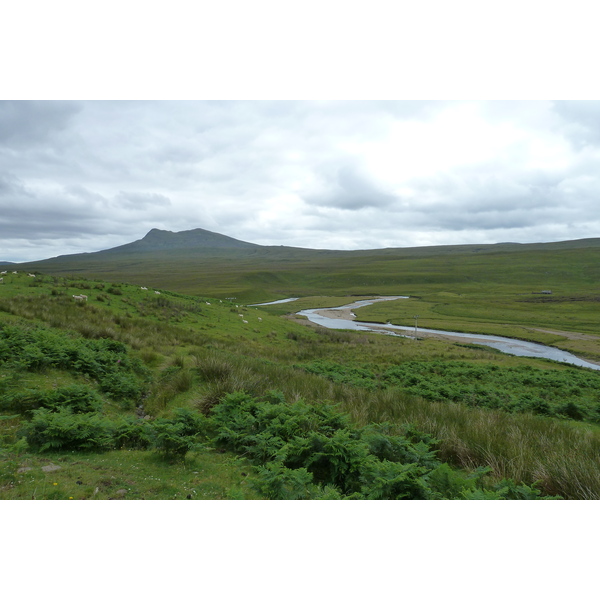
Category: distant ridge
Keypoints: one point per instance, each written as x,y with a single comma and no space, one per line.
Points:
159,240
194,245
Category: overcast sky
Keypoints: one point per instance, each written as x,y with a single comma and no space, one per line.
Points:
87,175
270,152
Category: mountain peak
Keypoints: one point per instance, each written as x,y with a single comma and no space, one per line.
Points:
159,239
154,232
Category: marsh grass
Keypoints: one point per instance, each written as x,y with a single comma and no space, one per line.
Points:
210,352
562,456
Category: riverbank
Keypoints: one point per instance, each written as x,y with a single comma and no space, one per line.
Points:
345,313
338,316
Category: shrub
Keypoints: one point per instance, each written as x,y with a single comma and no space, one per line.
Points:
398,448
122,387
168,438
277,482
313,446
572,410
77,398
304,451
64,430
132,433
175,437
385,480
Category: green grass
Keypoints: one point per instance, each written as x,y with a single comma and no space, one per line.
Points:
196,349
484,289
126,475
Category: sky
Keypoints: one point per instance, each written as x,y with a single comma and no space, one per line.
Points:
81,176
310,124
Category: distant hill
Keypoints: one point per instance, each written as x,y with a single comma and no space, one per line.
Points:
204,262
159,240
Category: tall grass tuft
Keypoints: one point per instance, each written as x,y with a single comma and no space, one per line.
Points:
560,455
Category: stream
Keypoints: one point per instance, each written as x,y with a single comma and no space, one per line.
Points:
506,345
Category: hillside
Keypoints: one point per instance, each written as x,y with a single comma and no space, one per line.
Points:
158,240
130,394
198,261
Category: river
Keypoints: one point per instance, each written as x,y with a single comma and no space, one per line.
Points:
342,317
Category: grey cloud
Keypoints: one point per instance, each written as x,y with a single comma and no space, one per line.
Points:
458,220
33,122
350,190
80,170
581,121
74,210
140,201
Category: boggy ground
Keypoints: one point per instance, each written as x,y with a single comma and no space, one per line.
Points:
179,351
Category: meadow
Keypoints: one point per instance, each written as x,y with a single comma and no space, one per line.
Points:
179,395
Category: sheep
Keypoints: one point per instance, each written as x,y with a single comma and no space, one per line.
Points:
4,273
80,298
240,315
30,274
156,292
15,272
1,279
260,319
143,288
245,322
208,303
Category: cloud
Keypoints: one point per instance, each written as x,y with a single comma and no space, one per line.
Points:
328,174
140,201
23,123
579,121
350,188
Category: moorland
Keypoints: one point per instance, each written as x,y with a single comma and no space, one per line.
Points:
184,390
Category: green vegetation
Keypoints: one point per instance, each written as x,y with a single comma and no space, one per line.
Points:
314,452
133,394
567,394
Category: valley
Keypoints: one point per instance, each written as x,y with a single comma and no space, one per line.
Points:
184,390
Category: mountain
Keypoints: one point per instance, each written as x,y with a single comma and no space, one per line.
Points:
159,240
207,263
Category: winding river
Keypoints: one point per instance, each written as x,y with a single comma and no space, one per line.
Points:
336,318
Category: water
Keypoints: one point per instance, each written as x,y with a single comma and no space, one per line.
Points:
506,345
275,302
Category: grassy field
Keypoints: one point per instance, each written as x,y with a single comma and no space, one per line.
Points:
95,388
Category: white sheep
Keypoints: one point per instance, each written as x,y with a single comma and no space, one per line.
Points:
208,303
157,292
245,322
4,273
143,288
80,298
31,274
260,319
240,315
